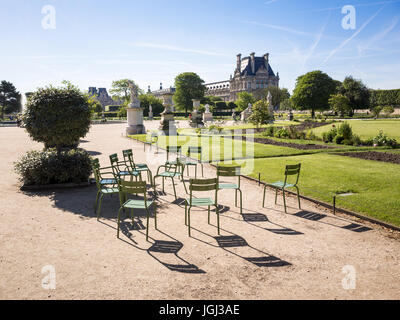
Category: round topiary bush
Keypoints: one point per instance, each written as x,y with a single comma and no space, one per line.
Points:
58,117
52,167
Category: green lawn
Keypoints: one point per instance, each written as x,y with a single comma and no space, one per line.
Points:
375,184
368,128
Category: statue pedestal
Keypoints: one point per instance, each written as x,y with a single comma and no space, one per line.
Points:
196,120
207,116
135,121
168,124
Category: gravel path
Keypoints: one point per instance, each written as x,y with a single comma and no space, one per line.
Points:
262,254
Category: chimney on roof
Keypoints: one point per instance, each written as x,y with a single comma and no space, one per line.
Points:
148,89
266,58
253,62
239,61
160,85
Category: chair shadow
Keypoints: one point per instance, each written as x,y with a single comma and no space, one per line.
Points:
94,153
234,241
318,217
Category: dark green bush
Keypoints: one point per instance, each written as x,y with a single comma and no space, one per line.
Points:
383,140
345,131
270,131
58,117
282,133
50,167
330,135
339,139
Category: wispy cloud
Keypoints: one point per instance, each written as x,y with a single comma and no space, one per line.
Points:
281,28
378,36
345,42
175,48
356,5
271,1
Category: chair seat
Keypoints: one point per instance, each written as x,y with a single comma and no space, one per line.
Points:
109,190
108,181
128,173
280,184
191,163
170,174
228,186
137,204
141,169
199,202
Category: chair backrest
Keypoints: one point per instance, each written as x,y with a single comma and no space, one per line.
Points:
192,149
114,159
128,156
174,149
203,184
291,170
132,187
228,171
154,137
95,163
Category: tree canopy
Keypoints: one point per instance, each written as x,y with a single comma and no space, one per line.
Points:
188,86
243,100
120,90
260,114
313,91
357,93
278,95
10,98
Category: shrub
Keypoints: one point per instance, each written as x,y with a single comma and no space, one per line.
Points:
310,135
356,140
58,117
345,131
282,133
330,135
339,139
49,166
383,140
270,131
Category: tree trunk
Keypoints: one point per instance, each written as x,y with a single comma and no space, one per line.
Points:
312,113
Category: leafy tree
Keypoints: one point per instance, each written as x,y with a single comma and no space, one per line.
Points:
260,114
376,111
312,91
188,86
148,99
244,98
286,105
94,105
58,117
120,90
10,98
340,104
388,110
356,92
277,95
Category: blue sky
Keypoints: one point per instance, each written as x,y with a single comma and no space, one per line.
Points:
96,42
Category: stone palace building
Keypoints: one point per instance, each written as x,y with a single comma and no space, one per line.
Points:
251,74
103,97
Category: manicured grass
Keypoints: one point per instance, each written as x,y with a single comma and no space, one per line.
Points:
368,128
375,184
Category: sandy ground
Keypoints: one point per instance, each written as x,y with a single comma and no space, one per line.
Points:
263,254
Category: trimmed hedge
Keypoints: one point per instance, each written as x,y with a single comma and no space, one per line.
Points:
50,167
385,98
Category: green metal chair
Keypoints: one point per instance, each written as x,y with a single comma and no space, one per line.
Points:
291,170
102,179
104,186
230,171
125,171
139,167
153,140
189,162
170,171
202,185
127,188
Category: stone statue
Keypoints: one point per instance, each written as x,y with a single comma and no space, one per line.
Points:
133,89
207,108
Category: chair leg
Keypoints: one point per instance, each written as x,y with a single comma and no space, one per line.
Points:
133,219
241,201
189,220
235,197
184,185
99,209
263,204
276,195
209,214
155,216
284,199
217,211
298,196
173,184
97,200
119,213
147,225
186,223
163,185
202,170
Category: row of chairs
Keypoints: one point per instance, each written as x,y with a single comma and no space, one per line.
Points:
120,170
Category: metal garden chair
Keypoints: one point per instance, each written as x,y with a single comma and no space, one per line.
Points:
170,171
153,140
104,186
230,171
291,170
189,162
135,188
125,171
139,167
202,185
